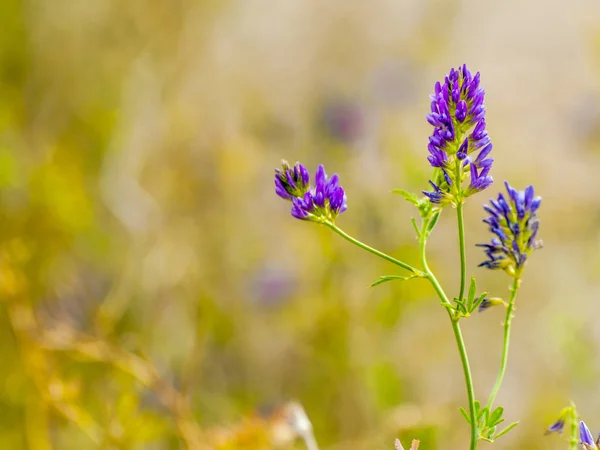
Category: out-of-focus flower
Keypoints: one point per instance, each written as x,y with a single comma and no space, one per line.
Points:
557,427
585,437
319,203
456,109
344,120
514,222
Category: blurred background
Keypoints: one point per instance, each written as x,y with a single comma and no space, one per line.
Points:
156,294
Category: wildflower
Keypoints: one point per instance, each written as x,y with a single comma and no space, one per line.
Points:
291,182
438,196
585,437
319,203
489,302
514,222
456,109
556,427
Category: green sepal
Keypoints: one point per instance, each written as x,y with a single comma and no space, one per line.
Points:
385,278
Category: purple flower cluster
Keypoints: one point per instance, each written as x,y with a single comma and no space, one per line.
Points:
514,222
322,202
456,109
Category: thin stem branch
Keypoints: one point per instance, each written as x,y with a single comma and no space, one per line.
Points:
460,343
507,323
371,249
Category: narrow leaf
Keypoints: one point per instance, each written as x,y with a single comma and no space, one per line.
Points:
408,196
495,416
434,218
477,302
506,430
451,309
472,290
414,222
482,413
386,278
460,306
465,415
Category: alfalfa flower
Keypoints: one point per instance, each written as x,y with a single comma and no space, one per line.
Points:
514,221
458,117
291,182
585,437
319,203
556,427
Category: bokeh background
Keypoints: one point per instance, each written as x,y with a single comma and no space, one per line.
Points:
156,294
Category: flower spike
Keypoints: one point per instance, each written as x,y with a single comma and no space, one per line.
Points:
458,117
514,222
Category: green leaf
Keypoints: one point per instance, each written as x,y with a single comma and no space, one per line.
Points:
434,218
386,278
408,196
477,302
506,430
451,309
465,414
414,222
460,306
486,415
496,416
472,290
480,412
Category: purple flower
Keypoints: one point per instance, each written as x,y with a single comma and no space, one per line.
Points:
556,427
438,196
291,182
488,303
322,202
514,222
479,179
458,117
585,437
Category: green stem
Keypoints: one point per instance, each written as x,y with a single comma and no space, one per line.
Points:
371,249
574,437
507,322
460,343
463,255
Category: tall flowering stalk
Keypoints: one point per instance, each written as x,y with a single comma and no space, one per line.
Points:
459,153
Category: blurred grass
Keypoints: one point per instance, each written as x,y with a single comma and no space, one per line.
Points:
155,293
